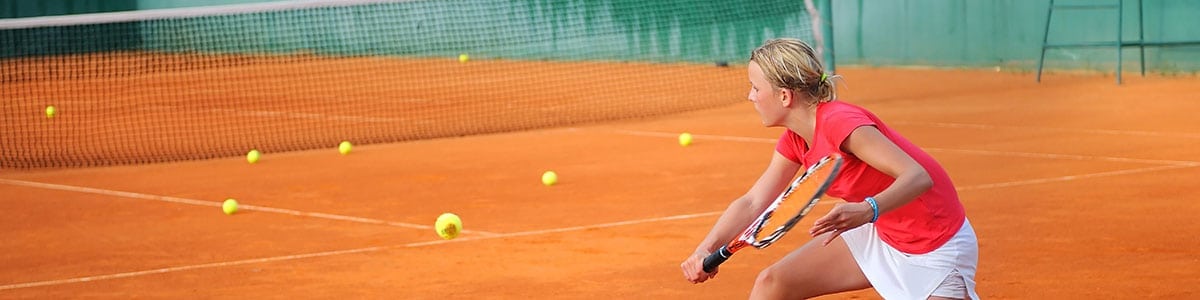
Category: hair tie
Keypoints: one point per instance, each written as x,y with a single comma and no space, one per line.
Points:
823,76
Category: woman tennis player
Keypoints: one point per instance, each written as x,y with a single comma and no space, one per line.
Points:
901,229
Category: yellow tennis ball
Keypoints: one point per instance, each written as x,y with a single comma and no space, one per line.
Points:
549,178
253,156
448,226
50,111
463,57
685,139
344,147
229,207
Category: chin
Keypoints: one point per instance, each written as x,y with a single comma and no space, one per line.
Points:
766,123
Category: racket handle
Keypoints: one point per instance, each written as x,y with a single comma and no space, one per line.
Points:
716,258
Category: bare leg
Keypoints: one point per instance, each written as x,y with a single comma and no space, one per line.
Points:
953,284
811,271
944,298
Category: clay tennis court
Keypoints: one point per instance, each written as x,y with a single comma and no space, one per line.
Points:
1078,189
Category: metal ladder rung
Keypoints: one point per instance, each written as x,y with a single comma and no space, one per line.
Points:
1084,6
1088,44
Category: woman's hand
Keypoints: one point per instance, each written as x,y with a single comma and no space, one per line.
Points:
844,216
693,268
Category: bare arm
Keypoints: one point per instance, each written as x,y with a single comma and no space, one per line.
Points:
872,147
740,213
876,150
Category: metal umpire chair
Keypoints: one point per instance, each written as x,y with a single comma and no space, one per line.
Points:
1119,43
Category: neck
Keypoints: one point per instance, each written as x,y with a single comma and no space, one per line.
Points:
803,122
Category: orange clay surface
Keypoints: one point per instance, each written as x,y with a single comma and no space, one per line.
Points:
1078,189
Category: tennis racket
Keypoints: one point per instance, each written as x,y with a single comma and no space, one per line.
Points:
816,180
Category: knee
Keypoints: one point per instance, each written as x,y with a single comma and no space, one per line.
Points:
770,279
778,283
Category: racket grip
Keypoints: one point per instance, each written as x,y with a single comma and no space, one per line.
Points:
716,258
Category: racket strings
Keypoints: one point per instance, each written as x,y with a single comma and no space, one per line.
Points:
796,202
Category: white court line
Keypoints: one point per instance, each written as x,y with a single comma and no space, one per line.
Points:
173,13
1074,177
1165,164
185,268
283,114
569,229
700,136
338,252
931,149
1082,130
1069,156
80,189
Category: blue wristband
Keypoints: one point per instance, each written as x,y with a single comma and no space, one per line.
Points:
874,208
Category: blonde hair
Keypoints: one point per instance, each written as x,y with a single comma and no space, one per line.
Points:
792,64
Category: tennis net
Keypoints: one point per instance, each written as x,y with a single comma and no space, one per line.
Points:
197,83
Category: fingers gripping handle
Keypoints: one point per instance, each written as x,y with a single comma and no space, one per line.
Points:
716,258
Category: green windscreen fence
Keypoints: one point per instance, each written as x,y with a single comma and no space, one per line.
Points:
38,8
196,83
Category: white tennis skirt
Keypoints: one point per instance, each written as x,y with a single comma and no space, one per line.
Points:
898,275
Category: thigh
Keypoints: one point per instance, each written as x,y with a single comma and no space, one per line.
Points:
810,271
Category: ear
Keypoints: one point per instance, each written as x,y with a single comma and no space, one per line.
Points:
787,96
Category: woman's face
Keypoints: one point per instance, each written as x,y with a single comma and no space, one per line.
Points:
766,98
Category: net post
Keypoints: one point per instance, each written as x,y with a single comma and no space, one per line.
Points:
1120,39
826,8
